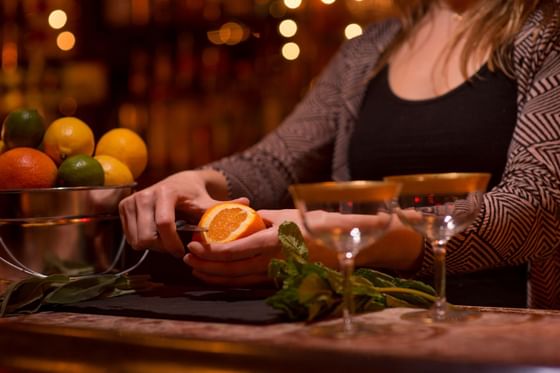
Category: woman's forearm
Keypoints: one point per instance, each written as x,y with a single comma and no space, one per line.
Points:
400,248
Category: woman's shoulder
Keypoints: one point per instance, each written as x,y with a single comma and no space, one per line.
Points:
542,26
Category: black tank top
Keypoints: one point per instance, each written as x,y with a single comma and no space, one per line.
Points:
468,129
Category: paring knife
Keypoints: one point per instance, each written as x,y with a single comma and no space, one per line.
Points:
182,225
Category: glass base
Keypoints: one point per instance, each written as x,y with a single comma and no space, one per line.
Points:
339,330
451,315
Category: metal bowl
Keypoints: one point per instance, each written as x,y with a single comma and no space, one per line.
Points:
78,225
61,205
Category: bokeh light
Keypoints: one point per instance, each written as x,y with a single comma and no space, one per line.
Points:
287,28
290,51
57,19
292,4
66,40
230,33
328,2
352,30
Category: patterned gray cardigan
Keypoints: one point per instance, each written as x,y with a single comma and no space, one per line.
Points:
519,221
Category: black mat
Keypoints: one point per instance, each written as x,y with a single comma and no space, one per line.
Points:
240,306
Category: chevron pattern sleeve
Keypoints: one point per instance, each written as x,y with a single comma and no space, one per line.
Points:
301,149
520,218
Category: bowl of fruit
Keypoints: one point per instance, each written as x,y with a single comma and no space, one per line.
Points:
59,193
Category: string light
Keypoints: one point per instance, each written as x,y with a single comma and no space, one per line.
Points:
352,30
287,28
65,40
230,33
292,4
290,51
57,19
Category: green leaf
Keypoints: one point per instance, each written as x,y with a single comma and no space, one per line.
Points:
311,287
82,289
396,302
321,306
377,278
27,294
293,244
418,285
30,294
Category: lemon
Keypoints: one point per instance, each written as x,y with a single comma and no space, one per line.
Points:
23,128
80,170
127,146
66,137
116,172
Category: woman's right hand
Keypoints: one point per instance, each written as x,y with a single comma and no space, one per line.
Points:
148,216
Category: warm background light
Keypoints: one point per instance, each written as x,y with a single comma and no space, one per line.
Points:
57,19
208,77
292,4
65,41
353,30
290,51
287,28
230,33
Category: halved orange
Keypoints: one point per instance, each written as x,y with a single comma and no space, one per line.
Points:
229,221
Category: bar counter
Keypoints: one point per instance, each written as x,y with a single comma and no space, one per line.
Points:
501,340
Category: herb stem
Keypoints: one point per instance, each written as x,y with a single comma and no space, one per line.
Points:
407,291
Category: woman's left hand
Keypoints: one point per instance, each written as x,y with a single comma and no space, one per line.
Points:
242,262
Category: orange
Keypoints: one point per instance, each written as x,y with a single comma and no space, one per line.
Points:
23,167
68,136
127,146
116,172
229,221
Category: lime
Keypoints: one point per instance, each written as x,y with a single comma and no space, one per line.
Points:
23,128
80,170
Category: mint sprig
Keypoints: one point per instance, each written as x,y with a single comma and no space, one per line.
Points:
312,291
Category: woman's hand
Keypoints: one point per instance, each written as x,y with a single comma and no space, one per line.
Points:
148,216
245,261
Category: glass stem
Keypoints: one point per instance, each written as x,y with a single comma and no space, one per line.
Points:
439,308
346,260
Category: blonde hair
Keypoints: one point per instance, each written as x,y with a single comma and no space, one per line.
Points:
488,26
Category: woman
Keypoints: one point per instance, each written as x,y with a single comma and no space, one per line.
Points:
455,85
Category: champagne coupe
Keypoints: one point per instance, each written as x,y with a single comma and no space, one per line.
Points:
438,206
346,217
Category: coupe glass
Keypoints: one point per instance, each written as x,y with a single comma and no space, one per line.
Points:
438,206
346,217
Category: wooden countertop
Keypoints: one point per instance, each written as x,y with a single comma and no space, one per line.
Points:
500,340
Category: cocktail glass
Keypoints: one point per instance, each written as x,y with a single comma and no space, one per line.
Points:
346,217
438,206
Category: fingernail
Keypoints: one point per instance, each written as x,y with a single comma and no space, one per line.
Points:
187,259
